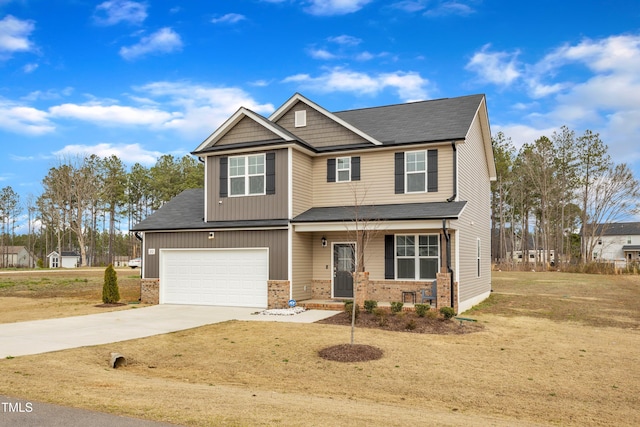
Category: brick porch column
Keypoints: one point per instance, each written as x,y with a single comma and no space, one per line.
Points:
361,287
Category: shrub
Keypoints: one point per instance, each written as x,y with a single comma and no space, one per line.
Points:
396,306
411,325
348,308
447,312
370,305
110,291
421,309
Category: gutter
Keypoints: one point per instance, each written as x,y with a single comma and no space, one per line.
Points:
447,236
455,173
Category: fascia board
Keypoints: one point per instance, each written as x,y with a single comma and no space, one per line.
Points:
297,97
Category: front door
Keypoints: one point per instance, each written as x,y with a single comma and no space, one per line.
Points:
343,268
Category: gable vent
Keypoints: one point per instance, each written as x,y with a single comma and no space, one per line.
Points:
300,118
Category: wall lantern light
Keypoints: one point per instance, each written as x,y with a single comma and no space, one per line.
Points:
324,242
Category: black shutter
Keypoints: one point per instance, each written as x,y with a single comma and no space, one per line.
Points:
331,170
399,166
432,170
271,173
223,176
389,261
355,169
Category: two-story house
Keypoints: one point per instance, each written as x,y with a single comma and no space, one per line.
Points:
617,242
284,195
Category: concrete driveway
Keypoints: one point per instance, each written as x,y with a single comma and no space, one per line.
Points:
42,336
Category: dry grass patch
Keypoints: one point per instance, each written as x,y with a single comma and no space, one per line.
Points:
48,294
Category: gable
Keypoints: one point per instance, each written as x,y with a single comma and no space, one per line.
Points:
247,130
320,131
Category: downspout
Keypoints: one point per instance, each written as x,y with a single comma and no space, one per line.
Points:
447,237
139,237
455,173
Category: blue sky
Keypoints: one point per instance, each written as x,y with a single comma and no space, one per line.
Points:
140,79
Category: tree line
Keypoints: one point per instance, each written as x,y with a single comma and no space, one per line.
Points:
87,201
550,195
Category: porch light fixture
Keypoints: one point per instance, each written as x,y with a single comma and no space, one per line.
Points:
324,242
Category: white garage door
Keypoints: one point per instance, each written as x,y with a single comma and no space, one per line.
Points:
228,277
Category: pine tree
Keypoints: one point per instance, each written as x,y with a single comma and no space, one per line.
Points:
110,292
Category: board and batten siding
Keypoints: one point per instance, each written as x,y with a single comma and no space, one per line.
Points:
475,222
270,206
377,178
246,130
275,240
302,187
320,131
302,265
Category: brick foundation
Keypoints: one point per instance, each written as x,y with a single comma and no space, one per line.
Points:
150,291
278,293
390,290
320,289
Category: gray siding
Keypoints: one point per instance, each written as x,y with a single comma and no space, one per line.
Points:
246,130
302,265
475,222
275,240
320,131
272,206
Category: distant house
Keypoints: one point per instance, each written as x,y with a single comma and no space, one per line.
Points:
619,242
64,259
17,256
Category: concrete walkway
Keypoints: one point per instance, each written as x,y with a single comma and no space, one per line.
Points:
42,336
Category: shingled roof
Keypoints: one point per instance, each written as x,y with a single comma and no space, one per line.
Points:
436,120
184,212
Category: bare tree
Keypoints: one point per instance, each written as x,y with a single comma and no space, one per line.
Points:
362,230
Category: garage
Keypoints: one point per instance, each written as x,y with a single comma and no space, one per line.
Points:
225,277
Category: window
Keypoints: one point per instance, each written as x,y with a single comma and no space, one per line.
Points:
343,169
246,175
417,256
416,172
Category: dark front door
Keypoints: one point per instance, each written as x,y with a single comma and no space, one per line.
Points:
343,268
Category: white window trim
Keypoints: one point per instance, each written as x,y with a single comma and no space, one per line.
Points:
416,256
338,169
247,175
407,173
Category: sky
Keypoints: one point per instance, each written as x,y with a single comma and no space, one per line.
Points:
140,79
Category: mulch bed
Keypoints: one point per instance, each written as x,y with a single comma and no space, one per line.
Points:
115,304
406,321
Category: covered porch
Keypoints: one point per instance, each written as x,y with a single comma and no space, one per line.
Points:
398,251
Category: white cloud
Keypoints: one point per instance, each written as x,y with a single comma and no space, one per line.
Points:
410,86
229,18
23,119
164,40
335,7
14,35
202,107
435,8
322,54
128,153
345,40
499,68
30,68
113,114
113,12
